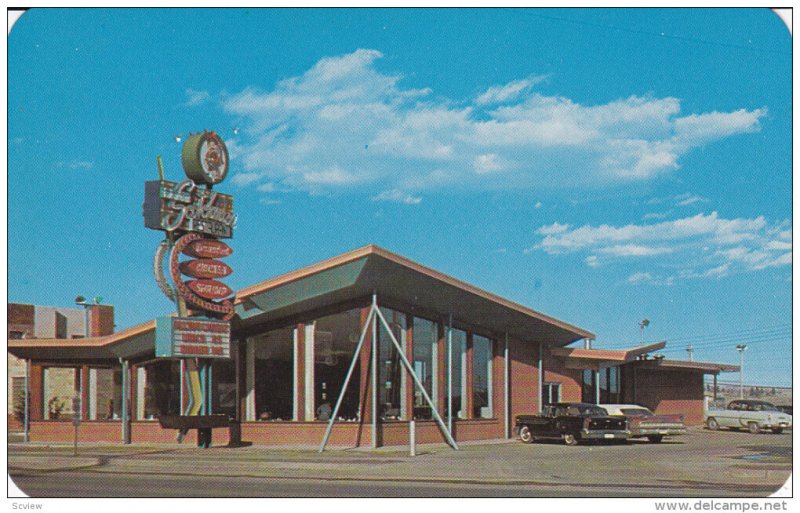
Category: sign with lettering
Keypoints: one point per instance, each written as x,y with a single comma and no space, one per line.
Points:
184,207
195,337
205,158
207,248
205,268
209,289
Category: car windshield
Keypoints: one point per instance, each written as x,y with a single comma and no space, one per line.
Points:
637,412
575,410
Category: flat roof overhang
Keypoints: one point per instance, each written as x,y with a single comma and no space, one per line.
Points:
355,275
135,342
582,358
677,365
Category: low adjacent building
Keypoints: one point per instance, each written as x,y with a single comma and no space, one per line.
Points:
478,360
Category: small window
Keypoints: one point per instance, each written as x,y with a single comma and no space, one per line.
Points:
15,335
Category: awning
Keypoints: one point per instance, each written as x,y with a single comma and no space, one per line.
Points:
704,367
133,342
396,279
581,358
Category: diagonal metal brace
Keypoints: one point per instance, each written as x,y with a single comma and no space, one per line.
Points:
410,370
356,355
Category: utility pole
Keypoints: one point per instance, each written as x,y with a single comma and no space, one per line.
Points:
690,350
741,348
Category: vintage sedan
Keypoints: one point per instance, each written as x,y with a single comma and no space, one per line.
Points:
572,423
644,423
749,414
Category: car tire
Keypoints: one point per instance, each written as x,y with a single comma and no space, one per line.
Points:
656,439
712,424
570,439
525,434
753,428
777,431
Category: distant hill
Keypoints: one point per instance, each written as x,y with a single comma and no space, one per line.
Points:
729,391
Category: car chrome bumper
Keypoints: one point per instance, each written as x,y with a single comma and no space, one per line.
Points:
605,435
658,431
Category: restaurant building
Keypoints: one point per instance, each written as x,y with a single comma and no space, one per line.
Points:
477,360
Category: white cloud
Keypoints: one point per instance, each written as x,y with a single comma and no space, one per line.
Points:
243,179
656,215
639,277
507,92
487,163
195,98
701,246
553,229
633,250
343,125
397,196
687,199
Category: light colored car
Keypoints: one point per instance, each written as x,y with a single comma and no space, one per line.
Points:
644,423
749,414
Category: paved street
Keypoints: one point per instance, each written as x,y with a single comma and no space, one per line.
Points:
702,463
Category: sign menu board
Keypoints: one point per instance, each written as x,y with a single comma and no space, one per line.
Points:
192,337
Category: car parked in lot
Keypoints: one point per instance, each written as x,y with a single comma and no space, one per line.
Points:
572,423
749,414
644,423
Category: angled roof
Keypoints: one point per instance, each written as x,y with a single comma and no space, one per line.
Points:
704,367
358,273
135,341
353,275
578,357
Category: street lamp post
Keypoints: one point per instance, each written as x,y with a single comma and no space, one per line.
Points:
80,300
741,348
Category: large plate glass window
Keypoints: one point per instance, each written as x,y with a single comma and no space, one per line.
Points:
426,335
481,377
390,367
335,341
459,386
162,390
273,354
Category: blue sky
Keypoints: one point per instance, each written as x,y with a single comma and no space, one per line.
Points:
601,166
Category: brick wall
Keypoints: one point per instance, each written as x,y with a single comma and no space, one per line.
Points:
672,391
524,389
101,320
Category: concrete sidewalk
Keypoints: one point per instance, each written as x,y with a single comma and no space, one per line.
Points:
698,460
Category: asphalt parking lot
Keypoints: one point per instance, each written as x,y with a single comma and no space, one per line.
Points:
700,463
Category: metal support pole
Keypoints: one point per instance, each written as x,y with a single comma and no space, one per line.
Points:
506,407
541,377
715,388
412,438
413,375
183,385
209,388
25,418
124,406
597,386
450,374
375,370
356,357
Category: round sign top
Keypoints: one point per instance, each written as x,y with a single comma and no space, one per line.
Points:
205,158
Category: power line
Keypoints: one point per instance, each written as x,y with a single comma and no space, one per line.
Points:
656,34
734,333
736,340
